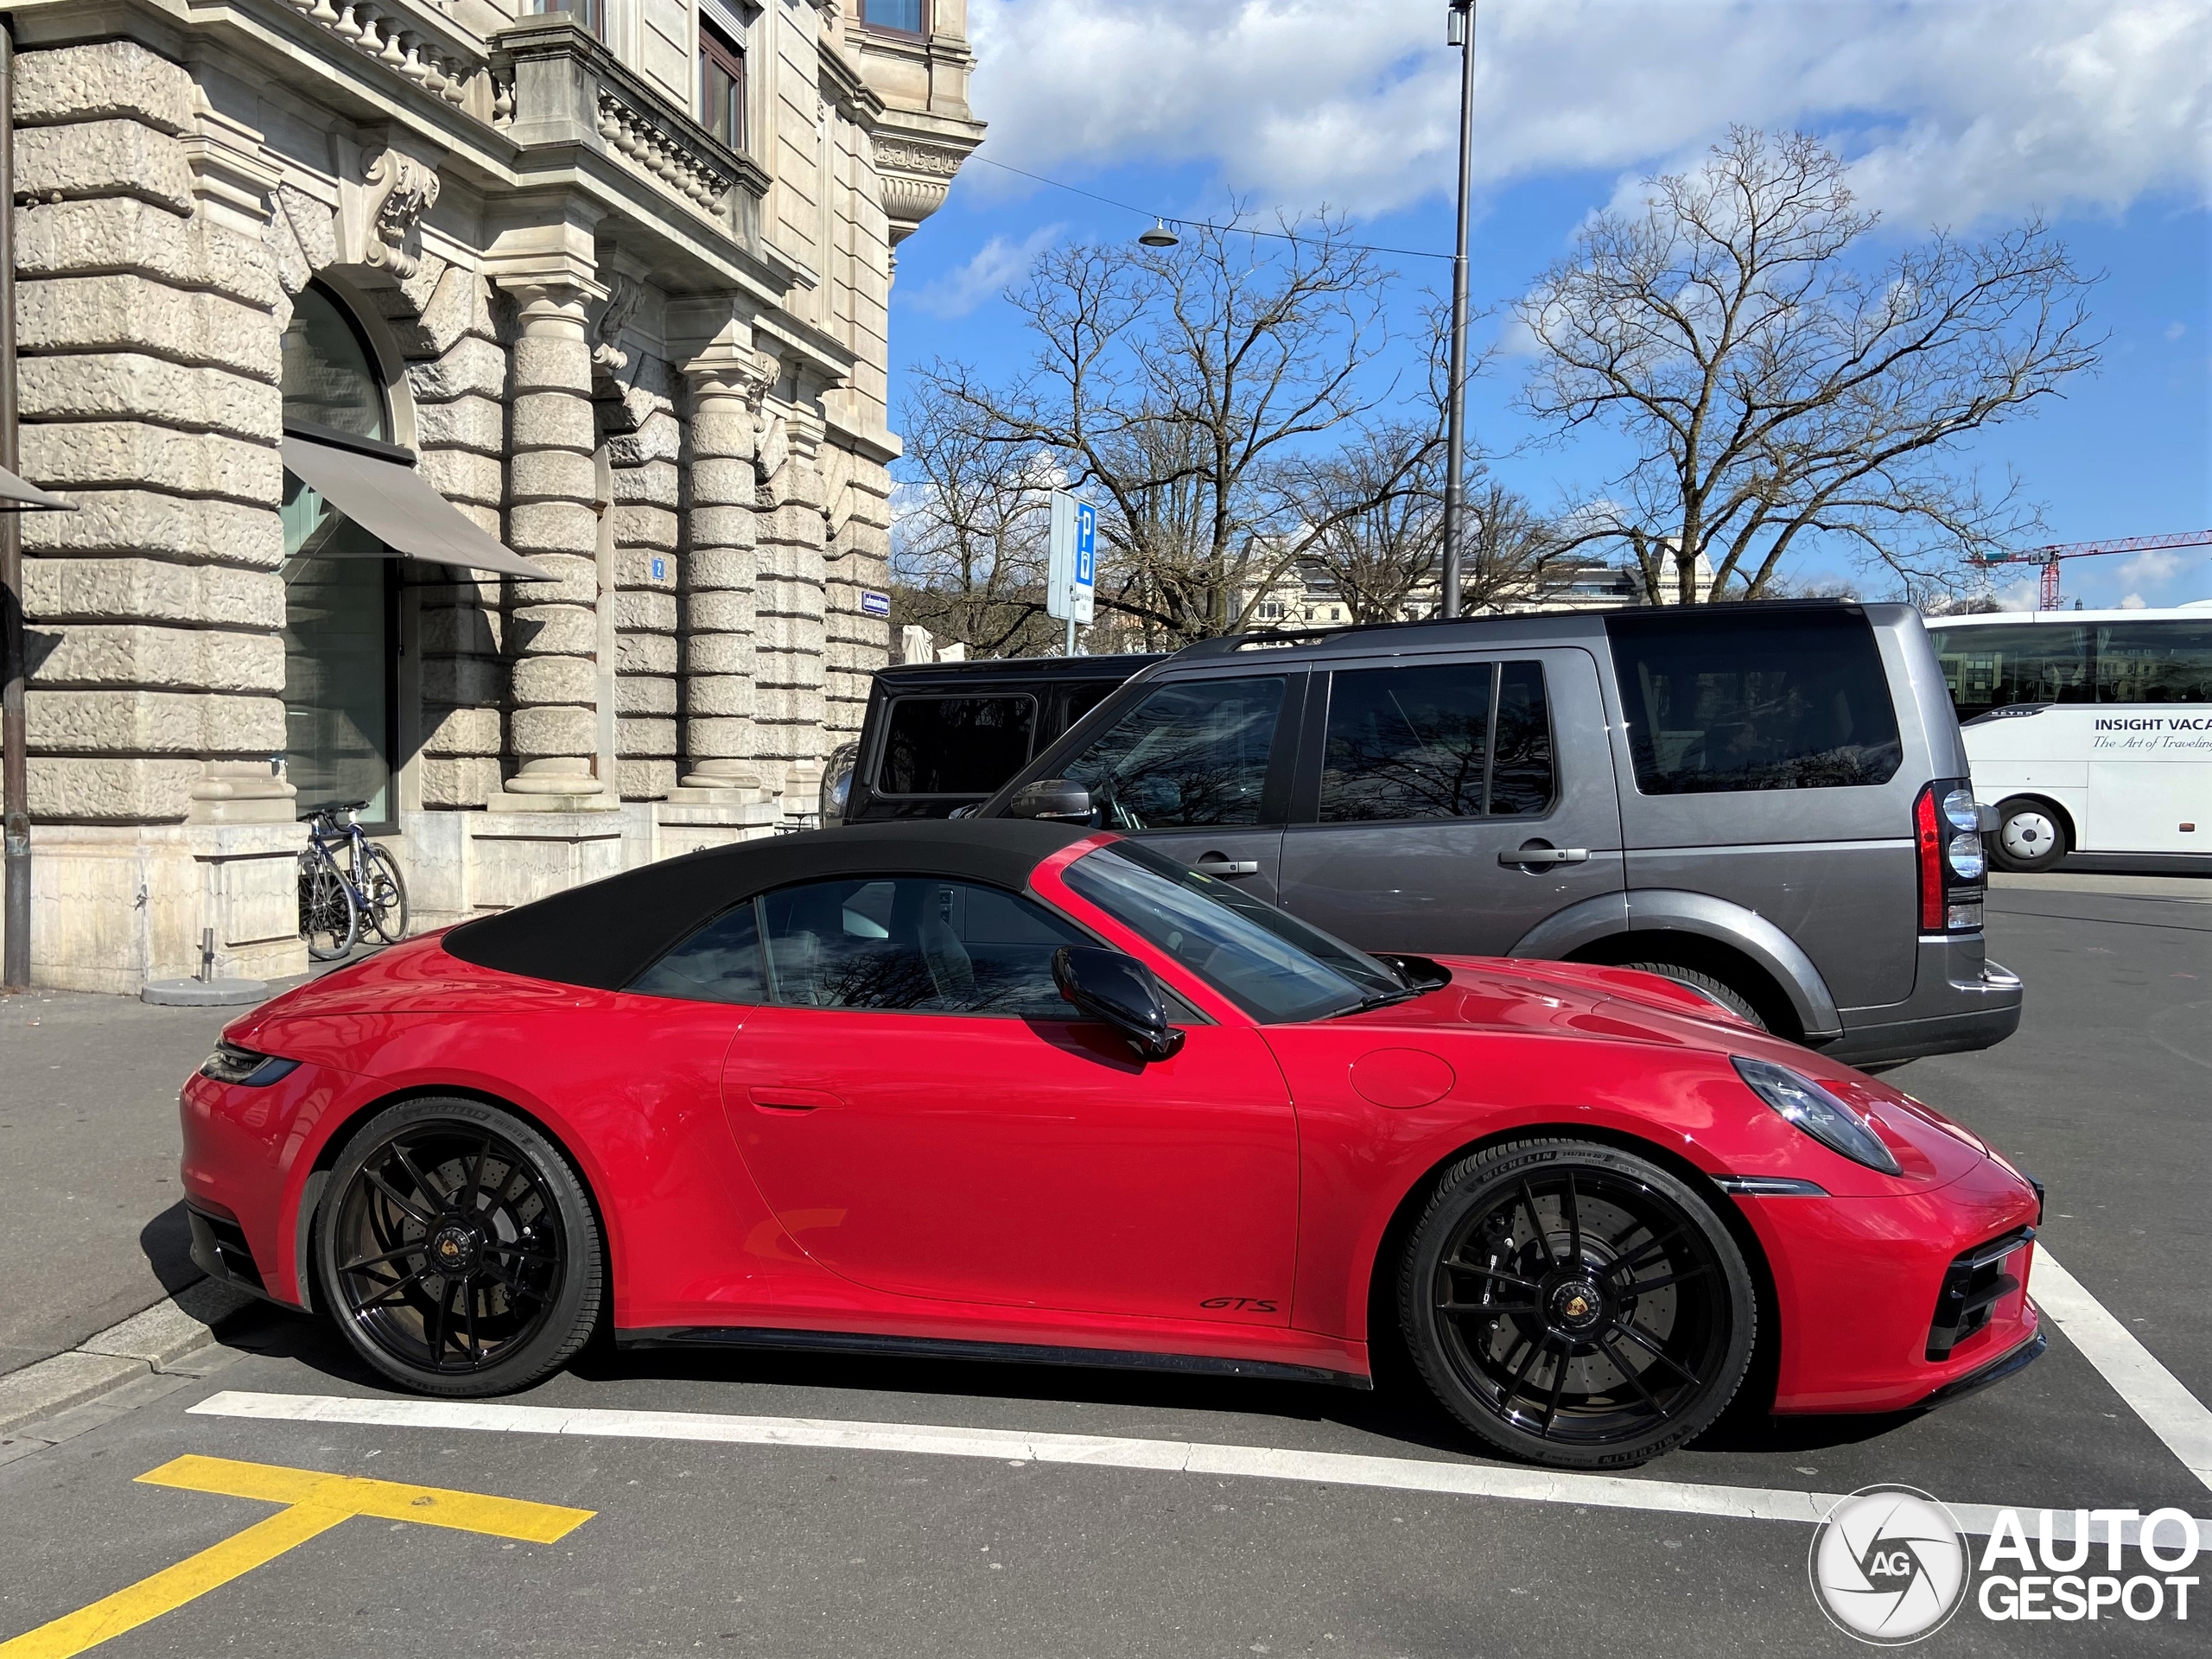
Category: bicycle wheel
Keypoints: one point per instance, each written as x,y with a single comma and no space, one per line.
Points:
386,916
327,922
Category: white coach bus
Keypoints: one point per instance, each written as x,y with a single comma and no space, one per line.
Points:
2089,731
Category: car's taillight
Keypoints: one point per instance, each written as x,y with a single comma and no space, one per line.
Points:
1953,863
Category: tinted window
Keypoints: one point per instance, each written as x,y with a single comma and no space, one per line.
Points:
1754,701
1448,740
2154,662
1271,964
954,746
1521,775
1193,753
1996,667
719,963
916,945
1406,743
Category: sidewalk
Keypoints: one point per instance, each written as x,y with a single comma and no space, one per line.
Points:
92,1221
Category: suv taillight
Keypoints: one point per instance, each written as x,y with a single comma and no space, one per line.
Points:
1954,864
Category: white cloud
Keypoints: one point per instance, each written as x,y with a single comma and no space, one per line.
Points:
2134,602
2176,330
1953,109
994,264
2153,570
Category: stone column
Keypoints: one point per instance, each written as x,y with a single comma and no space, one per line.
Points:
553,519
726,384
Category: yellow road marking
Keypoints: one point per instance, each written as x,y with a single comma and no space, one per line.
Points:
315,1501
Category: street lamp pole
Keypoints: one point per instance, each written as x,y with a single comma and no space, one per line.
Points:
1461,34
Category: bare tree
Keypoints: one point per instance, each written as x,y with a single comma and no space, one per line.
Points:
1172,384
969,529
1782,385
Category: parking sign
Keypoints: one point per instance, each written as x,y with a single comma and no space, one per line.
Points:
1070,577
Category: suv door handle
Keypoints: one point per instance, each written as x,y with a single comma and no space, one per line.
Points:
1527,856
1215,864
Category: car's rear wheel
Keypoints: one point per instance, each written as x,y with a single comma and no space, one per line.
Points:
1576,1305
2029,837
457,1249
1707,986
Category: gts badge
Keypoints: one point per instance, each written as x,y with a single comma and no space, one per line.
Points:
1240,1304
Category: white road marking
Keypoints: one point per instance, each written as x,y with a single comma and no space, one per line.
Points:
2153,1392
1098,1451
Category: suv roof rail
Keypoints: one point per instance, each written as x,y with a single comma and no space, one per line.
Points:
1280,638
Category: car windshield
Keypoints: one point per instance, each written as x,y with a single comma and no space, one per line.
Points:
1272,965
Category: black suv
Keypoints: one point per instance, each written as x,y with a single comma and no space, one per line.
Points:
939,736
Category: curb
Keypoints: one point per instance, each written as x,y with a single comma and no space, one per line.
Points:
144,1343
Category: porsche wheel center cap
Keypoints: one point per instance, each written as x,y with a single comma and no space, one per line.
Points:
454,1249
1577,1305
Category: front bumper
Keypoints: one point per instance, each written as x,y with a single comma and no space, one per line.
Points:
1961,1001
1871,1317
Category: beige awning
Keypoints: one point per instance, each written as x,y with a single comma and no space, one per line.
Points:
395,503
16,495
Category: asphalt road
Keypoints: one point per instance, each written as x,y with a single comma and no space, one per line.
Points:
800,1551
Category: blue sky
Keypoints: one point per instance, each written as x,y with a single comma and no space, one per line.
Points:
1956,112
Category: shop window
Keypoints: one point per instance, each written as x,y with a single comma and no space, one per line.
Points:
721,86
341,610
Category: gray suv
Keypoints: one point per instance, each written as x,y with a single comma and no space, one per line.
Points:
1769,802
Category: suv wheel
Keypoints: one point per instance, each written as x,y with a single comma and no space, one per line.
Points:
2030,836
1576,1305
1705,985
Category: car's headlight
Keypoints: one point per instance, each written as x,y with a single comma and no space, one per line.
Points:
1817,1112
231,1063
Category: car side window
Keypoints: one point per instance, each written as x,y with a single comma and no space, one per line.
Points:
954,745
1754,701
1437,740
1188,754
913,944
721,962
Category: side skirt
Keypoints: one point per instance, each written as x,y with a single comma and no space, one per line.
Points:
1007,1353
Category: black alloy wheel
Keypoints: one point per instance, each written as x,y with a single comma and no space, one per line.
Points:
1575,1304
457,1249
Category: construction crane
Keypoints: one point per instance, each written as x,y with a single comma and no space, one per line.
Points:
2048,557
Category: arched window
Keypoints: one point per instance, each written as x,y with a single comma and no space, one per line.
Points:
340,601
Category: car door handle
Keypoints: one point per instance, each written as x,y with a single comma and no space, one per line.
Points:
779,1099
1215,864
1527,856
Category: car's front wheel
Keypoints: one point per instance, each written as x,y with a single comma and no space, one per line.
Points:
457,1251
1576,1305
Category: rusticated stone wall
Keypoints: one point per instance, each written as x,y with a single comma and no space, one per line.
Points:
789,595
855,644
148,367
457,379
647,528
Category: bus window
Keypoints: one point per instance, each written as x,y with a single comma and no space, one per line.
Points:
2154,662
1990,668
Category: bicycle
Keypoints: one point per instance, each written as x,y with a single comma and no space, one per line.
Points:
338,901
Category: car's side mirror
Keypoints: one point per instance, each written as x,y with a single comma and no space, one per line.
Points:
1051,797
1120,990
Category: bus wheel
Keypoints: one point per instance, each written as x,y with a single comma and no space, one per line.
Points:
2030,836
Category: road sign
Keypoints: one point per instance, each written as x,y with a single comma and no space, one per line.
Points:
875,604
1072,576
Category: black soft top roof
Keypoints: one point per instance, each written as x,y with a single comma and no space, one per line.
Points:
605,933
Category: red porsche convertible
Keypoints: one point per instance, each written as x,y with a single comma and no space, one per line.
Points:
1014,1089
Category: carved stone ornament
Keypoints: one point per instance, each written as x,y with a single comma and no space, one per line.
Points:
915,179
606,358
405,189
757,377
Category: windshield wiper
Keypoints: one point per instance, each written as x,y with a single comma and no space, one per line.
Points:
1381,999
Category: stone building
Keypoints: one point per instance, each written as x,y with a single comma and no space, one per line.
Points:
475,413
